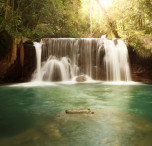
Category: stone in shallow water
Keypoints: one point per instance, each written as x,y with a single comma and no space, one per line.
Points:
79,111
81,78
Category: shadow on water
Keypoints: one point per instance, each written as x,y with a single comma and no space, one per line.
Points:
141,101
15,116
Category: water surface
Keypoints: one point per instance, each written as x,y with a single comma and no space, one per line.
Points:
34,116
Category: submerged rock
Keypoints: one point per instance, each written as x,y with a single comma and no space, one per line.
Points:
51,130
81,78
79,111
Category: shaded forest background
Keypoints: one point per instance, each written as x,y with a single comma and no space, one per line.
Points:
36,19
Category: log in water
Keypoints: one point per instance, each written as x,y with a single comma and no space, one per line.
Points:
79,111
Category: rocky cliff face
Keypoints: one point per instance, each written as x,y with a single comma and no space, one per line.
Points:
17,59
24,64
29,61
141,68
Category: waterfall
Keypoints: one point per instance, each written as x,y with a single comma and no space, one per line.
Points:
56,70
61,59
38,56
116,60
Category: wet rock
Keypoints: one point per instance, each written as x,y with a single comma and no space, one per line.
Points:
12,66
79,111
29,61
116,41
141,68
17,59
81,78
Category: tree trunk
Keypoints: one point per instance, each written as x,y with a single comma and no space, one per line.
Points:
110,23
90,9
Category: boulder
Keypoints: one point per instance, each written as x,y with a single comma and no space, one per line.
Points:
81,78
29,60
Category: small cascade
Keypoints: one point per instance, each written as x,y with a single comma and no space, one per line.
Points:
116,60
56,70
38,47
78,51
61,59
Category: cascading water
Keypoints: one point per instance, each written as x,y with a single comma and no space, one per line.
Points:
65,58
38,56
116,60
56,70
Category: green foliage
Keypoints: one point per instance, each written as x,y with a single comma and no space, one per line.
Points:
36,19
6,42
139,45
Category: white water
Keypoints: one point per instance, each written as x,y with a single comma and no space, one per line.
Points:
65,58
56,69
38,47
116,61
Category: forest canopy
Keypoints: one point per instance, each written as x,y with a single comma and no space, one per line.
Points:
36,19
